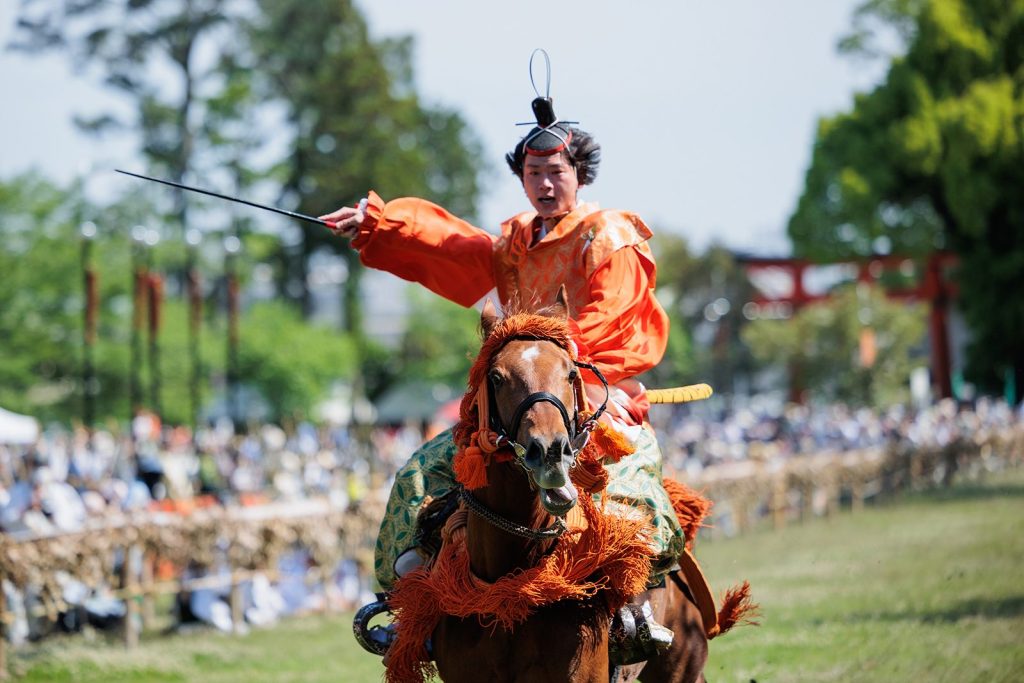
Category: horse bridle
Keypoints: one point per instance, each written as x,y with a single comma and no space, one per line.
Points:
579,434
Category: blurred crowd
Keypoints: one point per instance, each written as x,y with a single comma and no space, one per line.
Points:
69,476
698,436
66,477
68,480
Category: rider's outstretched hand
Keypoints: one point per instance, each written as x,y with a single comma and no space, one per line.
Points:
347,219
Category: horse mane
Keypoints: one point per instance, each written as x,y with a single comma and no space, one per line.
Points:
515,325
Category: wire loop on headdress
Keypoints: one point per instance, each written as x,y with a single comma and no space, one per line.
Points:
550,135
547,64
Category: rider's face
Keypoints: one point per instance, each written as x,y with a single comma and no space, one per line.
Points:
550,184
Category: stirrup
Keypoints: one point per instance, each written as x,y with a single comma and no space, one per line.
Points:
376,639
635,636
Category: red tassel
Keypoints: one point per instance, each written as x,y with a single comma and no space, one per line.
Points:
156,295
470,467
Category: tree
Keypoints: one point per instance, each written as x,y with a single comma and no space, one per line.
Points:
440,342
351,118
703,296
291,362
42,298
41,318
354,123
39,298
825,341
933,158
135,44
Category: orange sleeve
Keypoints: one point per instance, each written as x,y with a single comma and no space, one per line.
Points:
421,242
623,329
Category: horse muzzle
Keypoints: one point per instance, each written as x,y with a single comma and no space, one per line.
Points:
558,501
548,465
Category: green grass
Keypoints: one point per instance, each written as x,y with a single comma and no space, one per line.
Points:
311,649
928,588
925,589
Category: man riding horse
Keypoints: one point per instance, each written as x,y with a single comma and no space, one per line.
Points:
603,259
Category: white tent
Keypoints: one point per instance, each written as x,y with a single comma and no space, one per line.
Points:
17,429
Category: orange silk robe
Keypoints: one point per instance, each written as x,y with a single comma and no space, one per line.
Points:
602,257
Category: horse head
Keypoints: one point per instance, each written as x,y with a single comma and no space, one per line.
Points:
534,390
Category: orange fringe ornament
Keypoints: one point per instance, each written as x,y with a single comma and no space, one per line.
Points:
610,443
609,555
589,475
690,507
737,607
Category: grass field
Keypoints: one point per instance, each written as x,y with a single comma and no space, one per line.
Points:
928,588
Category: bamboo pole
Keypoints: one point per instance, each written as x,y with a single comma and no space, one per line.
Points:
832,504
741,508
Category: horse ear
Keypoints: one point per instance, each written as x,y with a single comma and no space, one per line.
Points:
561,307
488,317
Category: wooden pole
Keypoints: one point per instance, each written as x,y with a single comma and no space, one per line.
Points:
916,470
237,608
779,502
131,635
4,616
832,504
148,603
806,500
857,494
741,507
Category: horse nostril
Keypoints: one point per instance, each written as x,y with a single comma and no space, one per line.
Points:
535,453
560,449
541,452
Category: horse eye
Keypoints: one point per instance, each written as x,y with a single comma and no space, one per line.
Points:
573,374
495,377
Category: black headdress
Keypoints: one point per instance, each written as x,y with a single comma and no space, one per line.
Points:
549,136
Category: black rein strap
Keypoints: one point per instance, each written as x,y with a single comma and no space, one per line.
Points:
544,397
552,532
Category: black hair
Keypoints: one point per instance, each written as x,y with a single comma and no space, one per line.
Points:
584,154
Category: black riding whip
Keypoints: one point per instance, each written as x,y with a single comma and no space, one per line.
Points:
293,214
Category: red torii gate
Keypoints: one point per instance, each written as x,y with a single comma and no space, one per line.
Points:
933,287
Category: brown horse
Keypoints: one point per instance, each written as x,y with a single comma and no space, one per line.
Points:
531,388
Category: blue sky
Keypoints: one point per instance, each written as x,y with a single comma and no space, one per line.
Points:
706,111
